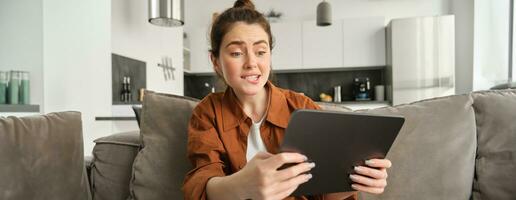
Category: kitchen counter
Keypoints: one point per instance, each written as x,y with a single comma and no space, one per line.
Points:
19,108
359,105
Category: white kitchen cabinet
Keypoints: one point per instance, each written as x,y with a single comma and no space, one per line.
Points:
322,45
363,42
287,52
199,51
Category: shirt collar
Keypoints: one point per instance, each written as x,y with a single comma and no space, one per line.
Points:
277,108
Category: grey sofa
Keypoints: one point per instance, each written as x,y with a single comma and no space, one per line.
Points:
41,157
455,147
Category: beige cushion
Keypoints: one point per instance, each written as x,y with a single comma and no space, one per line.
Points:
41,157
159,168
496,156
434,154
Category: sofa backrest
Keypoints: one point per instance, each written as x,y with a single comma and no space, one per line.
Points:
434,154
495,169
41,157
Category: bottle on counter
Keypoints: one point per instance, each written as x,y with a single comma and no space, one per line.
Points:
24,88
122,91
13,90
128,93
3,87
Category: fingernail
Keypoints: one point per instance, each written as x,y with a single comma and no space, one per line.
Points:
305,158
309,176
312,165
354,186
369,162
357,169
353,177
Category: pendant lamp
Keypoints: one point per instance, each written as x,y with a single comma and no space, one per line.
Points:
168,13
324,14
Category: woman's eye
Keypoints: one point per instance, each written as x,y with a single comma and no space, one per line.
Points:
261,53
236,54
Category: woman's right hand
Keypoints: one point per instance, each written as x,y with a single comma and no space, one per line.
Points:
261,179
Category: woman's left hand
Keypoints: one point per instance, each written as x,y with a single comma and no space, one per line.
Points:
371,178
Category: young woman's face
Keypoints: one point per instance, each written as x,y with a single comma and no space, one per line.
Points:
245,58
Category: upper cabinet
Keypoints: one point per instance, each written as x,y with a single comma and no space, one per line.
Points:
352,42
363,42
322,46
287,52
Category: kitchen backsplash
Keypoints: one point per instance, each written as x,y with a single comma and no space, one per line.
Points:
311,83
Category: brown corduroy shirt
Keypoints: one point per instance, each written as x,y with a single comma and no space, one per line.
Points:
218,133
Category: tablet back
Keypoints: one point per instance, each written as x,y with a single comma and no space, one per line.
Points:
336,142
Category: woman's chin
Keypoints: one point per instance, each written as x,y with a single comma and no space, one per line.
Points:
251,90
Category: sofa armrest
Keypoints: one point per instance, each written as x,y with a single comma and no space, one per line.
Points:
111,167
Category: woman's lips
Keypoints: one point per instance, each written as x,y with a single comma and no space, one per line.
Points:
252,78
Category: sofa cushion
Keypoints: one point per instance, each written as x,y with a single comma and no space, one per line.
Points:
434,154
159,168
495,173
41,157
112,165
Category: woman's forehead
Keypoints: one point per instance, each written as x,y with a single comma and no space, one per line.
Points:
247,33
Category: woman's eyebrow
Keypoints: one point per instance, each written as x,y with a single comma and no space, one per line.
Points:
238,42
261,41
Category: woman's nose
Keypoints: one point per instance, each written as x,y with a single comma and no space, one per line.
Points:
251,60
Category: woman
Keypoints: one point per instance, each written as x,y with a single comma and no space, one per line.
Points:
233,137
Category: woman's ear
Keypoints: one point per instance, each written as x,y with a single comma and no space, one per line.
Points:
216,64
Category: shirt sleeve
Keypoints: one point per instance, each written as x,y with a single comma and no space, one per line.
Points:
310,104
204,151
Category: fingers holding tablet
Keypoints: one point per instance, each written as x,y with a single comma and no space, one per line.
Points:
371,178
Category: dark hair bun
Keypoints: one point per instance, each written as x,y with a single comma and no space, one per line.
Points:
244,4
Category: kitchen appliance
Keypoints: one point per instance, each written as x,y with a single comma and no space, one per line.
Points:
361,88
420,58
379,93
337,94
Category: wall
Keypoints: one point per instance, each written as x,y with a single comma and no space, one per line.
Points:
77,62
21,41
464,16
134,37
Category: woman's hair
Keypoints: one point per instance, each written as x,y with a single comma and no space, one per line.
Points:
242,11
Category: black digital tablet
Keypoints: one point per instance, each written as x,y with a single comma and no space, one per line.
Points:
336,142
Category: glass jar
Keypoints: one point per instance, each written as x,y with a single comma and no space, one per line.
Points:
13,90
3,87
25,88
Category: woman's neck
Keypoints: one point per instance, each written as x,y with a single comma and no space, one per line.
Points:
254,106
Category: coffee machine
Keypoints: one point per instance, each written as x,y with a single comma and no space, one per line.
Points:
361,88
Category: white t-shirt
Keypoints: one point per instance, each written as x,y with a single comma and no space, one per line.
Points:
254,140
